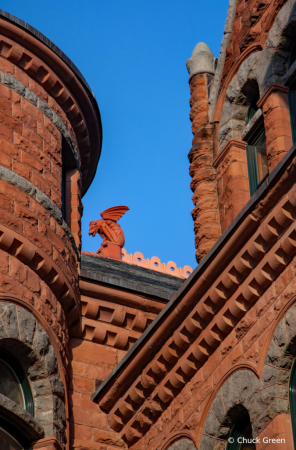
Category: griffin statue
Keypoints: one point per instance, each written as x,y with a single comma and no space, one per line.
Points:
110,231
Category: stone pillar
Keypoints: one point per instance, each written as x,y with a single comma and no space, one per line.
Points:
204,184
275,106
232,180
50,443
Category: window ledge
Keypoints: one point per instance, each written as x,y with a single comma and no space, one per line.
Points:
20,419
252,126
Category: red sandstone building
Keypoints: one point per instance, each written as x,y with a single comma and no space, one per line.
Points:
99,354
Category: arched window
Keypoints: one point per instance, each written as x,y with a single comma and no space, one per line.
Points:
256,149
292,399
13,382
15,386
240,437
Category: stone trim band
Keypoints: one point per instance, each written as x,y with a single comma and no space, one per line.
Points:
28,188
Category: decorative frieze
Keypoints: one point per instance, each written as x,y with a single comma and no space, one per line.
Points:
112,324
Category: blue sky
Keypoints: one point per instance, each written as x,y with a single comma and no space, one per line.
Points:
133,54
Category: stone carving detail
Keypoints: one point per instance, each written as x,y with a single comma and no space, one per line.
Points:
110,231
23,336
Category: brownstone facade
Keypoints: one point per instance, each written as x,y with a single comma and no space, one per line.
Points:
117,355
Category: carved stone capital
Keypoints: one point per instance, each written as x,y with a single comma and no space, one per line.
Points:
226,149
49,443
272,88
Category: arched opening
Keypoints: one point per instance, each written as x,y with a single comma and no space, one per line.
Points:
240,437
14,385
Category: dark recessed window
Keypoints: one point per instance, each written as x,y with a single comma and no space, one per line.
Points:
257,159
253,108
15,386
7,442
14,383
10,385
256,149
240,437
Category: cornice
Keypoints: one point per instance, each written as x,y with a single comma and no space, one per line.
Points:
217,301
29,254
43,62
120,328
271,89
224,152
119,296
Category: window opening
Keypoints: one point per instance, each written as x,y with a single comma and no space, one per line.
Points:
10,385
241,437
11,438
7,442
14,383
257,159
253,108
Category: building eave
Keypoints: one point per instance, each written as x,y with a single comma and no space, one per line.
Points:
245,224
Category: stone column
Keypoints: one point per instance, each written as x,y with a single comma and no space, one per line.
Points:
50,443
232,180
275,106
201,68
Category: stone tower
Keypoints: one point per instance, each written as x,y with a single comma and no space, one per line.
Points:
50,143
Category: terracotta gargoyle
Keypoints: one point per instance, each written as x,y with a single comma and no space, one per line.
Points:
110,231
